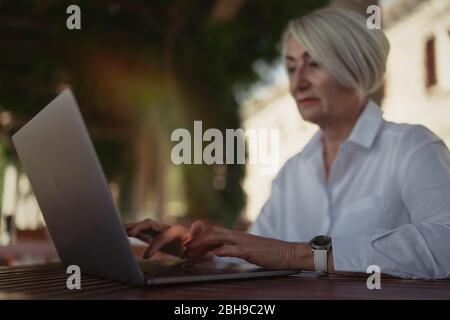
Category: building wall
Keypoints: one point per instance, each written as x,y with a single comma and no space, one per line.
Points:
406,97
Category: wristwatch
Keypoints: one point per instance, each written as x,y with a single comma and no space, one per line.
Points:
320,246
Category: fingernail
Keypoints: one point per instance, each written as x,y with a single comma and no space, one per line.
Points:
187,241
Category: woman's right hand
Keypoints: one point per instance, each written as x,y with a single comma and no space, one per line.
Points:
169,239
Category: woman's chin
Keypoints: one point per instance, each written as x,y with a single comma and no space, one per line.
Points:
310,115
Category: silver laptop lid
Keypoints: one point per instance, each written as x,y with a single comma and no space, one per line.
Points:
73,195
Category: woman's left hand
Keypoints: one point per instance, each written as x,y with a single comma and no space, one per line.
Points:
265,252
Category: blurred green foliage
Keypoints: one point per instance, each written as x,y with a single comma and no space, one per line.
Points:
144,67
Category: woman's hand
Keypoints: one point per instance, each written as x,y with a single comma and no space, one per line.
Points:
169,239
265,252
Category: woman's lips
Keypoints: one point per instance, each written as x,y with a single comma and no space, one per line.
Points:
307,100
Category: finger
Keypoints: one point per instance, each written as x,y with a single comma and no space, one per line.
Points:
128,226
200,251
209,255
222,251
230,251
142,226
172,234
197,227
210,238
197,257
201,245
144,237
135,229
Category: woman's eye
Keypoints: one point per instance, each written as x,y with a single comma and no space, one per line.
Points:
313,64
290,70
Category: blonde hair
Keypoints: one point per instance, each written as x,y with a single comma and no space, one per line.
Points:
340,41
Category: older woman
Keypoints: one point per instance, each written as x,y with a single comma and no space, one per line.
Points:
364,191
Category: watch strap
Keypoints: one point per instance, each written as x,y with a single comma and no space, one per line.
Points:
321,261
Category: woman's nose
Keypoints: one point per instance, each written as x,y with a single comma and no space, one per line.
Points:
299,81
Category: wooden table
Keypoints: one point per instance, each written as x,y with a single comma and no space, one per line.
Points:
49,282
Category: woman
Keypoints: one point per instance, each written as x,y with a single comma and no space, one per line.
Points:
379,190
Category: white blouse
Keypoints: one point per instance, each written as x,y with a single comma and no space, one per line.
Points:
386,202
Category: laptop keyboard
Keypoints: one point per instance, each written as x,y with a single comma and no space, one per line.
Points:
174,267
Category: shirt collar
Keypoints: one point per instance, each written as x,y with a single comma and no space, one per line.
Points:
367,125
363,133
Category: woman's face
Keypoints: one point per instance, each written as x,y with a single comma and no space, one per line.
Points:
319,97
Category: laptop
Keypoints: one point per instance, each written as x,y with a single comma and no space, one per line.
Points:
83,221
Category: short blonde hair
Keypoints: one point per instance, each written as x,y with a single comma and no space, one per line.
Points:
340,41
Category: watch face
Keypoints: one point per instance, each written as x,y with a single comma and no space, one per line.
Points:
321,242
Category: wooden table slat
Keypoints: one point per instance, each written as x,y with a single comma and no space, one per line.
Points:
49,282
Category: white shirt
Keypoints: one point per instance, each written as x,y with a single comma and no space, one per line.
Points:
386,202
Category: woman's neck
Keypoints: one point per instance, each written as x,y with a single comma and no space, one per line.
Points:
335,134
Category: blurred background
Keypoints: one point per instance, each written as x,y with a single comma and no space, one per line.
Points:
140,70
